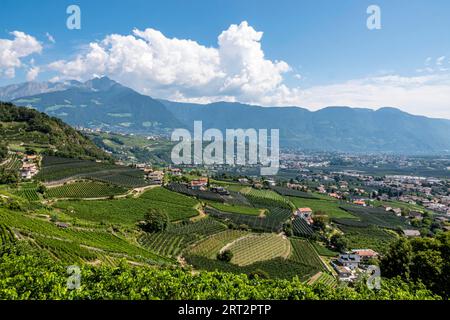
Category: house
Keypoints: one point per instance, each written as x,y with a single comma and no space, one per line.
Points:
61,225
365,254
220,190
344,273
199,184
155,176
411,233
360,203
175,171
304,212
243,180
397,211
349,260
335,195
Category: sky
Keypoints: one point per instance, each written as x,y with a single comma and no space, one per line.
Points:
311,54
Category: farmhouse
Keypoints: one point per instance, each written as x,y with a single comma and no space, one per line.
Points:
199,184
155,176
349,260
365,254
360,203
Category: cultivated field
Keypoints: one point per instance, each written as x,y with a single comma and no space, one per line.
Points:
331,208
85,189
259,247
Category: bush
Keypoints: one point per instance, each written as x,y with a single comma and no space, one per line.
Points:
155,221
225,256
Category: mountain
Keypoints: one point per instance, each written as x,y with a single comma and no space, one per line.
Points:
329,129
102,103
23,128
105,104
25,89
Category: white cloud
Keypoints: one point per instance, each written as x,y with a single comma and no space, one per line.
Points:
237,70
440,61
50,37
165,67
13,51
424,95
32,73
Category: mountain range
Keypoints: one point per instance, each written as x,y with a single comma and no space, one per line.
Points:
105,104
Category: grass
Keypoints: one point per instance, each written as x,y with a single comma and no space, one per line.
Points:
331,208
235,208
131,210
259,247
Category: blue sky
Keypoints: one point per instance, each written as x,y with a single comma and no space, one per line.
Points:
325,43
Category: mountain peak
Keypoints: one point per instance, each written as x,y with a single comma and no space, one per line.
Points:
101,84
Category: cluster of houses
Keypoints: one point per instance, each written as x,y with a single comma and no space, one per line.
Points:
30,166
348,265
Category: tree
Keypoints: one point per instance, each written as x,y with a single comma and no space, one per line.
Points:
339,242
3,151
320,223
225,256
397,261
155,220
41,189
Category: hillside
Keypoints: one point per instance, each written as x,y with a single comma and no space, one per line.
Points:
23,128
329,129
104,103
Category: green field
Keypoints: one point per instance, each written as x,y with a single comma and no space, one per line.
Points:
85,189
236,208
172,241
331,208
131,210
210,247
259,247
371,237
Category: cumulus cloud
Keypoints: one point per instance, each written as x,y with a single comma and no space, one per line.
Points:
423,95
152,63
13,51
236,69
32,73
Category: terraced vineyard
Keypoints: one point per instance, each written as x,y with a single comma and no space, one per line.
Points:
368,237
98,240
13,162
292,192
373,217
272,222
302,228
131,210
6,235
304,252
236,209
205,195
84,189
209,247
324,279
61,169
259,247
28,191
171,242
266,198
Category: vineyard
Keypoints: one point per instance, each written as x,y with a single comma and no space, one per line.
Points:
172,241
236,208
84,189
266,198
371,237
28,191
131,210
272,222
373,217
210,246
13,162
287,192
205,195
324,279
61,169
259,247
99,240
303,252
277,268
302,228
323,251
6,235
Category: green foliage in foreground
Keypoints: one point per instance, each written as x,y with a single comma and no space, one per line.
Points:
25,275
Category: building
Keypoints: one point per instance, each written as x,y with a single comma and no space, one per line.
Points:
349,260
360,203
155,176
365,254
199,184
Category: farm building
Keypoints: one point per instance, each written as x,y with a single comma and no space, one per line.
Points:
365,254
349,260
